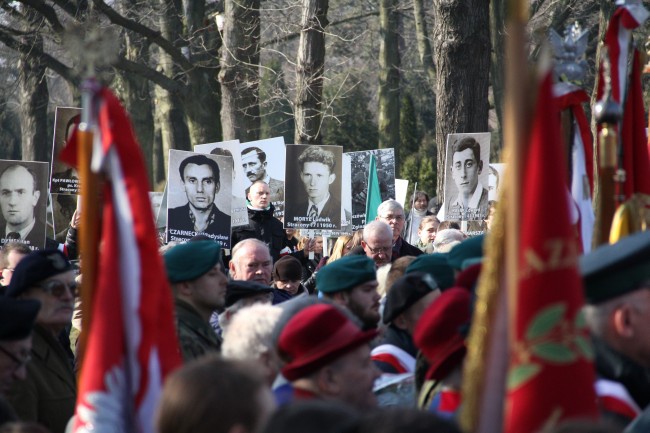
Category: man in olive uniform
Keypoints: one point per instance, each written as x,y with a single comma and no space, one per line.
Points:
617,284
198,281
49,393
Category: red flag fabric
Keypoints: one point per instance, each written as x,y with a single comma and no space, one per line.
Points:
551,375
132,343
636,149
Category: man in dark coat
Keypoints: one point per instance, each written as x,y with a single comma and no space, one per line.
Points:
262,225
392,213
49,393
199,284
200,215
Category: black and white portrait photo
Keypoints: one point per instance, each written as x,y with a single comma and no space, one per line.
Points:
198,197
23,202
360,162
264,160
64,179
466,177
313,188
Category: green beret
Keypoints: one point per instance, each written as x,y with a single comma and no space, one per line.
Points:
188,261
470,262
435,265
611,271
345,273
468,249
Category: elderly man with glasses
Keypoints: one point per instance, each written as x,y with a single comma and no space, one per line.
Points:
48,394
392,213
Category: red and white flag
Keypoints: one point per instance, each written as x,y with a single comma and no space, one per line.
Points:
571,97
132,344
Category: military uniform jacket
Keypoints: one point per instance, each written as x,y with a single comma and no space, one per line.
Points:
49,393
195,336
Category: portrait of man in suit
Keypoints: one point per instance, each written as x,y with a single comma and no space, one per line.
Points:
19,196
471,200
317,205
200,177
254,164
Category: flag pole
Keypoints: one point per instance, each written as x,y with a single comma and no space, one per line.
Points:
608,116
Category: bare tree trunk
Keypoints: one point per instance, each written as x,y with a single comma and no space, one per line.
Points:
203,99
174,131
309,72
389,63
497,29
239,75
462,56
34,95
424,45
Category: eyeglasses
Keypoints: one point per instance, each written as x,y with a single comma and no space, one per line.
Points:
378,250
57,288
391,217
18,361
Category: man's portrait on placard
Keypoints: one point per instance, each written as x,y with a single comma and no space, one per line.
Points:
466,177
199,197
23,202
264,160
313,188
65,179
63,207
238,210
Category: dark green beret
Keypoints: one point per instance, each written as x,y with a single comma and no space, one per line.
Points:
614,270
17,318
345,273
468,249
188,261
435,265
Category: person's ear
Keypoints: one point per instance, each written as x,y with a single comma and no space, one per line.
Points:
332,178
231,268
184,288
480,166
217,186
37,195
341,298
622,322
328,382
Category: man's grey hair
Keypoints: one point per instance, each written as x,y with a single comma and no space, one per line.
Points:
389,206
447,236
597,317
246,242
249,334
377,228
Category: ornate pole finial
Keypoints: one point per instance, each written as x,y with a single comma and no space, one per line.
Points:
569,52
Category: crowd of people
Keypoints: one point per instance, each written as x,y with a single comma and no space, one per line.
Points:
285,335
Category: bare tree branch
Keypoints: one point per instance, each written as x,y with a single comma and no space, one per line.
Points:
48,13
144,71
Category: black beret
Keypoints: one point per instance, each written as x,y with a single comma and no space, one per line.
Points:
36,267
17,317
406,291
614,270
188,261
238,289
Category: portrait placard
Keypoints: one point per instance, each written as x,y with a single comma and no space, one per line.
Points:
231,148
313,187
199,196
64,179
23,202
466,177
63,207
265,160
360,161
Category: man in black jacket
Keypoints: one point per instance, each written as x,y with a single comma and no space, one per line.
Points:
262,225
392,213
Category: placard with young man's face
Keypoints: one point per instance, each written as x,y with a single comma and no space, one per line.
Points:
23,202
64,179
313,188
199,197
466,177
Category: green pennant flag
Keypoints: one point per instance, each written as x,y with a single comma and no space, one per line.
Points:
373,197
